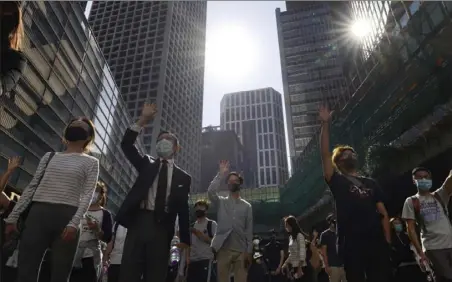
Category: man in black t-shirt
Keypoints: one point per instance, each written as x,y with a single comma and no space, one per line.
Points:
333,263
363,227
274,257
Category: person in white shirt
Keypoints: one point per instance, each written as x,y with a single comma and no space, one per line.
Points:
113,254
297,248
429,211
96,232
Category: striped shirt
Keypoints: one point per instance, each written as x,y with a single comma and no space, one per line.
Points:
69,179
297,251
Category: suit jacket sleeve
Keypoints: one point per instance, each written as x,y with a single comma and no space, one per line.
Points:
130,150
184,217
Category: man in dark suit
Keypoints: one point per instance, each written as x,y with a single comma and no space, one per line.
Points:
149,211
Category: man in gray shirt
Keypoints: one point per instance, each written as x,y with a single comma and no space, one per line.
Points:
233,240
201,254
428,209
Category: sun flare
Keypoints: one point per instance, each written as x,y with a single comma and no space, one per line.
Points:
230,52
360,28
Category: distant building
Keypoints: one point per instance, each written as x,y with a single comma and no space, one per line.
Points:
257,118
218,145
311,64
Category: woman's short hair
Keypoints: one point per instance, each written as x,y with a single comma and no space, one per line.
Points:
91,131
17,34
102,189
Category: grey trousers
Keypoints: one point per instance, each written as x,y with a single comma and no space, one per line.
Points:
43,228
146,251
442,263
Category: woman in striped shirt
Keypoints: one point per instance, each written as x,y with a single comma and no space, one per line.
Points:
58,195
297,248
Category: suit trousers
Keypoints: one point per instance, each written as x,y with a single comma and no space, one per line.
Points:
146,250
231,261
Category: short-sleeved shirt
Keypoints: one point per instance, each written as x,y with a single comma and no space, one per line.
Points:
272,252
329,239
201,250
357,217
438,234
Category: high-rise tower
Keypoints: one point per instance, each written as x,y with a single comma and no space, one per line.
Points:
257,118
311,64
156,52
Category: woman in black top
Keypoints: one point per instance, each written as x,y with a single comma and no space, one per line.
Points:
12,61
402,257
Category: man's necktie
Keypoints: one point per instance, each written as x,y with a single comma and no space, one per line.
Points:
162,186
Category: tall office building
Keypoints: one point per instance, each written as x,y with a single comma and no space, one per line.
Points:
219,145
257,118
155,50
311,65
66,76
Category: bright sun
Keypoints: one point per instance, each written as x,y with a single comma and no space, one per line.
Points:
230,52
360,28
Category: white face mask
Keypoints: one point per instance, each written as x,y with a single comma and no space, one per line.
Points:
164,148
95,198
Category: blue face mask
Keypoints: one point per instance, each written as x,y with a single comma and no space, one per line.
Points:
423,184
398,227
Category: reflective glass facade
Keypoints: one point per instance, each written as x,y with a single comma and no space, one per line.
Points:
66,76
263,107
156,53
311,65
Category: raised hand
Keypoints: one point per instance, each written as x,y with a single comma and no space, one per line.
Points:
324,114
149,111
224,167
13,163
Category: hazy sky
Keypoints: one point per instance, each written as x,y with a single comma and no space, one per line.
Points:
242,51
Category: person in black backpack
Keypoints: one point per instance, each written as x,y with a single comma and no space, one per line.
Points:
201,254
429,211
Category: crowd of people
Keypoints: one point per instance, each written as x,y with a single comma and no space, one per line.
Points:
60,230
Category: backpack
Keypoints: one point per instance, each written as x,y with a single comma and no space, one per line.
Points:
417,209
209,233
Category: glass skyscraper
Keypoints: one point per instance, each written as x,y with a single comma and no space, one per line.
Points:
257,118
311,65
66,76
156,52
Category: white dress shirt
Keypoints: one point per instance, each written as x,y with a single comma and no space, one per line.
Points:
150,203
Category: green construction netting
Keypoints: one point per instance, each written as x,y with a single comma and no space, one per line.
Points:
388,103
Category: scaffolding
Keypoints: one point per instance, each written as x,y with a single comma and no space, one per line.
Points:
406,77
